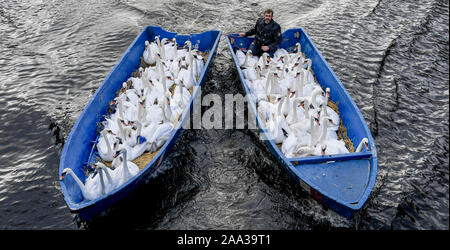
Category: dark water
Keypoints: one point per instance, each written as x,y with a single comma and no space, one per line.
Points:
392,57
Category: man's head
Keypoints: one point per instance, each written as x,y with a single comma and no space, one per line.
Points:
268,15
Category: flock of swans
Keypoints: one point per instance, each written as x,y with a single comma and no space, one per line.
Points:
144,114
292,104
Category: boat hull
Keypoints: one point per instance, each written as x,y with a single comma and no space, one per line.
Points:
340,182
79,147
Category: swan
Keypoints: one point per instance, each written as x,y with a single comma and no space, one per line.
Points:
275,87
185,52
294,113
298,139
279,53
94,186
333,146
266,109
316,101
104,146
263,60
364,142
188,76
160,136
171,51
241,57
327,111
250,72
110,184
308,73
150,51
146,54
199,62
181,95
297,57
250,60
277,126
286,106
125,171
310,151
174,67
170,113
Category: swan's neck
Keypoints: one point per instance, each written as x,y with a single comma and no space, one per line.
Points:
139,128
108,145
108,175
294,111
324,110
268,80
78,181
125,171
324,130
359,148
300,84
306,109
163,82
191,71
142,113
163,51
119,124
120,106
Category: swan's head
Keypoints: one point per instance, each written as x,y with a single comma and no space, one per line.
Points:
146,43
297,46
164,41
366,143
142,101
64,172
327,90
250,52
323,148
124,85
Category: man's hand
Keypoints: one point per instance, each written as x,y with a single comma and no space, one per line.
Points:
241,34
265,48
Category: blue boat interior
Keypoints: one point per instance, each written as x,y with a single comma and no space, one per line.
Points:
346,178
80,150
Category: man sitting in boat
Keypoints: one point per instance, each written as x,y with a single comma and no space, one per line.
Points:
267,35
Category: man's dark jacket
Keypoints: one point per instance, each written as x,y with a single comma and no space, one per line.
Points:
266,34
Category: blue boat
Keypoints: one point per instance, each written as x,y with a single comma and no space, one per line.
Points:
79,149
342,182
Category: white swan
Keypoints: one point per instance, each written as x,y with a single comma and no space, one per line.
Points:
110,183
241,57
250,60
104,147
364,142
327,111
160,136
93,188
333,146
126,169
199,63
